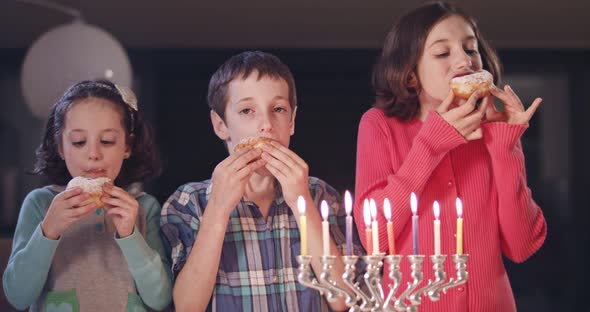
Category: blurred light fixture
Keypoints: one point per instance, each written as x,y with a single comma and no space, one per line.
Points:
67,54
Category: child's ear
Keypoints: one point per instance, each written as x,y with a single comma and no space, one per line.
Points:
128,146
413,81
292,124
60,151
219,126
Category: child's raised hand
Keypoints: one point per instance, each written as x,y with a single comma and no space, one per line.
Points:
66,208
466,119
231,176
122,207
514,111
290,170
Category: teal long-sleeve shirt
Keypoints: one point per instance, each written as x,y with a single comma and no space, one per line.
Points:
29,274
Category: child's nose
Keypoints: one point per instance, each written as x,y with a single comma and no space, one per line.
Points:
265,124
463,61
94,152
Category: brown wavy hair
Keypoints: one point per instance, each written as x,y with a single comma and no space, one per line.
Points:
402,50
144,161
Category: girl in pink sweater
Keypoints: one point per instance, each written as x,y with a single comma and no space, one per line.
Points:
421,138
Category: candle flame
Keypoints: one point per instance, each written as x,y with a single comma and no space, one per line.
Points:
373,206
436,209
459,206
387,209
325,210
347,202
301,205
413,203
366,213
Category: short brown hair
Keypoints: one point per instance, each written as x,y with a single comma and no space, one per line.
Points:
403,48
242,66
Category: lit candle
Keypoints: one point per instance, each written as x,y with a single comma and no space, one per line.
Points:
436,210
373,206
348,207
302,225
459,206
390,237
325,228
368,233
414,207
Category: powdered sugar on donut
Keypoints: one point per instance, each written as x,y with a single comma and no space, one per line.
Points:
464,86
92,186
252,142
248,140
476,78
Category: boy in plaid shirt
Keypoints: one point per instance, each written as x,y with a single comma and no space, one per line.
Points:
234,238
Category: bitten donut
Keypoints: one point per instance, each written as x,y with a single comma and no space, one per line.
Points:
464,86
252,142
91,186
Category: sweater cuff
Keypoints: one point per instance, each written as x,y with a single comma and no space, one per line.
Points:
501,134
135,249
41,244
438,135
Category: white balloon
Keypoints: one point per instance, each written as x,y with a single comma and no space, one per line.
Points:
66,55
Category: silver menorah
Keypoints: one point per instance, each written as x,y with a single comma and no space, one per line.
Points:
373,297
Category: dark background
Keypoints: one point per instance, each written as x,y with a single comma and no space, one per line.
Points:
333,90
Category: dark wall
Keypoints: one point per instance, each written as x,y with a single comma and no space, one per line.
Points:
333,92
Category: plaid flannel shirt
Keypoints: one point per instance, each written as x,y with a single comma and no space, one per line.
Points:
258,267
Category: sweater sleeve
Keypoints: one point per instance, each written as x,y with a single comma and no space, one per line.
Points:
147,259
522,224
382,173
32,253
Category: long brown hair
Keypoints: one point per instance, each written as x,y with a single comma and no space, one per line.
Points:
401,51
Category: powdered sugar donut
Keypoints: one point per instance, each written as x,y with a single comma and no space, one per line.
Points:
252,142
91,186
464,86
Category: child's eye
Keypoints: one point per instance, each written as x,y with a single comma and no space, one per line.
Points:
105,142
441,55
280,109
78,143
471,52
246,111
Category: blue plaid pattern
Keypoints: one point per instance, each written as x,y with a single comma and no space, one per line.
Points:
258,267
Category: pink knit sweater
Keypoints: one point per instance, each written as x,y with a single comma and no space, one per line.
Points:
430,158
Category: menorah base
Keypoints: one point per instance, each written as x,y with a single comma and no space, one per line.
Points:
369,296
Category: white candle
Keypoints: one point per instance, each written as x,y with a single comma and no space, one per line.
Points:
414,208
375,226
368,232
390,235
348,207
325,228
436,210
302,224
